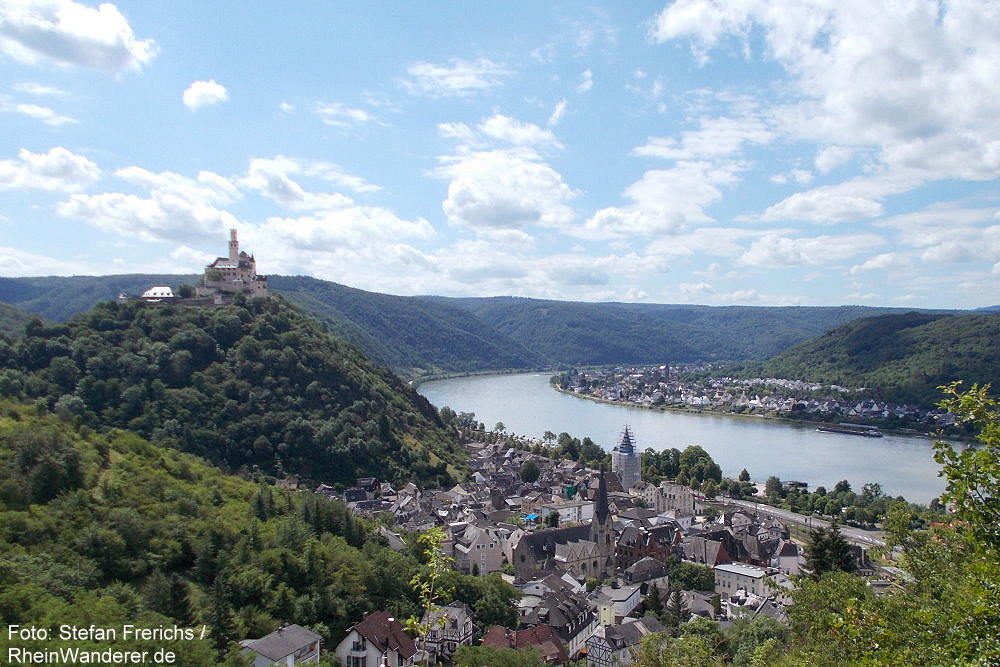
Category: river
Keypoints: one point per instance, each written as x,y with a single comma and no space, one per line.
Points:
527,405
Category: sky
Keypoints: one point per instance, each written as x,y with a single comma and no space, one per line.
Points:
752,152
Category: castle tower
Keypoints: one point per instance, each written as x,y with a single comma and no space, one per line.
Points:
624,461
234,246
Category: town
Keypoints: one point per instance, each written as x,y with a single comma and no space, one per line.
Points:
693,387
600,558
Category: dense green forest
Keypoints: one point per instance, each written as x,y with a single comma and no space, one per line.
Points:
903,357
13,320
408,333
427,334
256,385
106,528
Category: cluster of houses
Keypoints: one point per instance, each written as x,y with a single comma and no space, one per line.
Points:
583,550
655,386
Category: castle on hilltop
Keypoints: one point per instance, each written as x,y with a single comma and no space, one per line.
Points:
232,275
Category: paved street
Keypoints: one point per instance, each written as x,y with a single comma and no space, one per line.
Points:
853,535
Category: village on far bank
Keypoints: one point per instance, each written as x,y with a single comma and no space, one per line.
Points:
694,387
599,556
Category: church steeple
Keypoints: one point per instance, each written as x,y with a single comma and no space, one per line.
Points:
602,532
601,509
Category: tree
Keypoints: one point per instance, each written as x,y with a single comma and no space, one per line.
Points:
973,474
772,488
653,603
744,475
430,585
476,656
552,520
496,603
828,551
675,610
529,472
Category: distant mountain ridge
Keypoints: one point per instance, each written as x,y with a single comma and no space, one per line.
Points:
431,334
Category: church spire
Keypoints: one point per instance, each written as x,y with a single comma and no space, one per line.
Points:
601,509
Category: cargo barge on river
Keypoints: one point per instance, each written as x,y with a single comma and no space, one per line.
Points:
852,429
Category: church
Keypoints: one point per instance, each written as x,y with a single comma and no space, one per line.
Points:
585,551
231,275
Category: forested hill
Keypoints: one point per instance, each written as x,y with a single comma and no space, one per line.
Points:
110,529
13,320
904,357
576,333
251,385
427,334
409,333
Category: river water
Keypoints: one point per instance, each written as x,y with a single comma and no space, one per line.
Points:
527,405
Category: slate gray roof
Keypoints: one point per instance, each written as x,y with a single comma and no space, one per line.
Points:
283,642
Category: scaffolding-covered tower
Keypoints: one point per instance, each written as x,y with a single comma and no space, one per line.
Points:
625,462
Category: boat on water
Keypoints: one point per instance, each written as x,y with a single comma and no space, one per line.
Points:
852,429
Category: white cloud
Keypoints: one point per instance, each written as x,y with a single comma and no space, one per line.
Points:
340,115
823,205
716,137
915,81
692,289
666,201
195,259
586,82
176,209
204,94
59,169
271,177
162,216
774,251
69,33
504,189
832,157
41,90
18,263
558,113
208,188
333,173
518,133
461,77
38,112
883,261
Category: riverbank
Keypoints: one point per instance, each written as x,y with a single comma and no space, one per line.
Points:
723,413
418,380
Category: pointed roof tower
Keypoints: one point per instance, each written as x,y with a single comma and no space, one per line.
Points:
626,446
601,508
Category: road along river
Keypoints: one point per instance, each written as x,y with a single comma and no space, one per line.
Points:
527,405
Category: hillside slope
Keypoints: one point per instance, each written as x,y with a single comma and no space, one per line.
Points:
905,356
252,385
13,320
428,334
615,333
408,333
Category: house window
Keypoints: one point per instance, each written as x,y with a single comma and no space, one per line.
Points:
359,645
357,661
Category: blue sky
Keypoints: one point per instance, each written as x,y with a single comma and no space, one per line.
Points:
759,152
